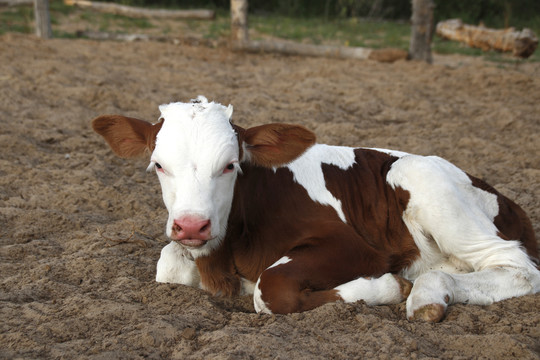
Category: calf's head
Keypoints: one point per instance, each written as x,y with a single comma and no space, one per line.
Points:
197,154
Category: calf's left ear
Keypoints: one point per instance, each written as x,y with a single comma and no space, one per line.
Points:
274,145
127,137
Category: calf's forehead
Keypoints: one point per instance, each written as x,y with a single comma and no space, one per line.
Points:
196,131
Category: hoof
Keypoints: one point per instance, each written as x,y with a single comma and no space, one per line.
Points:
430,313
405,286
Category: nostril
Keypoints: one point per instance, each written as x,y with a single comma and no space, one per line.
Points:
176,227
205,227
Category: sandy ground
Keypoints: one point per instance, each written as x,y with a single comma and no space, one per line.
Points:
81,230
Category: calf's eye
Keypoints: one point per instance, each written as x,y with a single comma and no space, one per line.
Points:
229,168
159,167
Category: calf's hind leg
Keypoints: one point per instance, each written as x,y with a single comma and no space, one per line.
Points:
434,291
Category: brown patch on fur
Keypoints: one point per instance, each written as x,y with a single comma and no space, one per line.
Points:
276,144
512,222
218,274
127,137
405,286
285,295
373,208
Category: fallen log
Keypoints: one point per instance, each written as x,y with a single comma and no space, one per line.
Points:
381,55
342,52
200,14
177,40
101,35
520,43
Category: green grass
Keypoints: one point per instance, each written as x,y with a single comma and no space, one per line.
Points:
215,29
340,31
17,19
348,32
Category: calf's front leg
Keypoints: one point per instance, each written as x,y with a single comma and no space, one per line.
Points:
175,267
313,276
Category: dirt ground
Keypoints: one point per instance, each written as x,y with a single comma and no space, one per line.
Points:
81,230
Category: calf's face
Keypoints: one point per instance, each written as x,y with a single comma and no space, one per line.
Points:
196,158
197,155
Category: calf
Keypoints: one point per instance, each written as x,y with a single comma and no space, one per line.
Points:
269,211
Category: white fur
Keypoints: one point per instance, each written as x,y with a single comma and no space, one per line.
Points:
174,267
194,145
247,287
389,152
308,172
382,290
448,217
258,302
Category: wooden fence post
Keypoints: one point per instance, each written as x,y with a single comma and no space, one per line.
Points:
239,23
43,20
421,30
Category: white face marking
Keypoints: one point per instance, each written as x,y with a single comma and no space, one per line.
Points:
308,172
193,149
260,305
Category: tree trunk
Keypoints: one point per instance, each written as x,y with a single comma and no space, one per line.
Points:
520,43
132,11
43,20
422,30
239,23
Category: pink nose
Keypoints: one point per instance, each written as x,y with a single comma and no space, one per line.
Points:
191,228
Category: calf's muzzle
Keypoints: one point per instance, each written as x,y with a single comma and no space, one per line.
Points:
192,231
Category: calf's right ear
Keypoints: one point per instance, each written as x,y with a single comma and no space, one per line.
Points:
127,137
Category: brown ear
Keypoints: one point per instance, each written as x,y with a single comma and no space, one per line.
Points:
127,137
276,144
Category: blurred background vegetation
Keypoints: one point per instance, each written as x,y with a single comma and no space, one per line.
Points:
494,13
365,23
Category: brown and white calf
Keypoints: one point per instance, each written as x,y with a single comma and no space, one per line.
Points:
300,224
